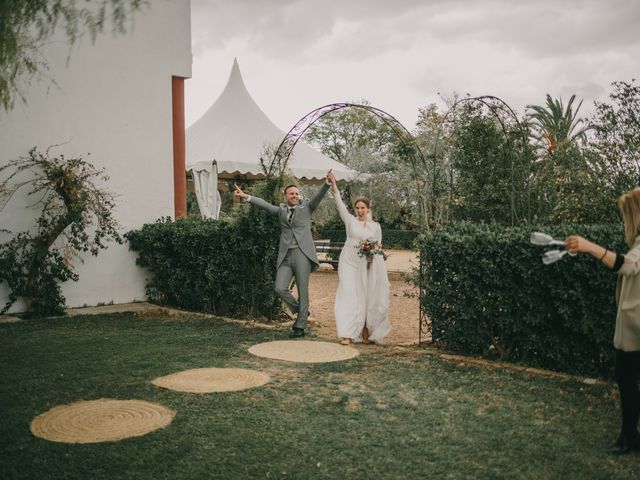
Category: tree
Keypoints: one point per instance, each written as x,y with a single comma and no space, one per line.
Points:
556,127
567,190
482,161
341,134
584,168
432,136
367,144
615,129
76,217
26,25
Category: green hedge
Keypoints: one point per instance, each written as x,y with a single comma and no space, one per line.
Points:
390,238
488,293
223,267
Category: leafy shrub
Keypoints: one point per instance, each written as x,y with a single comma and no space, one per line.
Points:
226,267
488,293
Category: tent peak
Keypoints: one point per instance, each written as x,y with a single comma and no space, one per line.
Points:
234,131
235,77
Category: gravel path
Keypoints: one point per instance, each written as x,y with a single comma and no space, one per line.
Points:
403,305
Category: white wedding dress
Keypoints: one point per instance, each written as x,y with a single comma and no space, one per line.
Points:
363,294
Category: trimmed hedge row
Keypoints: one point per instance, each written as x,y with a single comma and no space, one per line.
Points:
390,238
488,293
223,267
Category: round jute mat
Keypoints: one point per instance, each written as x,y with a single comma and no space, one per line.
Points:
101,420
207,380
304,351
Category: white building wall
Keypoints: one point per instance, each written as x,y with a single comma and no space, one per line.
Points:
112,99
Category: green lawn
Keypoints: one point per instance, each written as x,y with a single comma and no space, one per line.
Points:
392,412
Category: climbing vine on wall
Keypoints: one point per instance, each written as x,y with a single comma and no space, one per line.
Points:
76,216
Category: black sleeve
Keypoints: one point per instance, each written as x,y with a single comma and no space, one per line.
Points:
619,261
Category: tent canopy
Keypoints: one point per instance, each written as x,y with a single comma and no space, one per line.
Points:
233,133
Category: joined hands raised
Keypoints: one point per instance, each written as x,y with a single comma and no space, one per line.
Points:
237,192
331,178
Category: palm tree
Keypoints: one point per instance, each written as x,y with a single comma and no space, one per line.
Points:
555,126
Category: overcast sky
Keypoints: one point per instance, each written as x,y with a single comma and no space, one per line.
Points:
297,55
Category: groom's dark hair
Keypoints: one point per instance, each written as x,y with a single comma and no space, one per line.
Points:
289,186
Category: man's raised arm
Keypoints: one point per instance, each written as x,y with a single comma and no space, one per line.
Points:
272,209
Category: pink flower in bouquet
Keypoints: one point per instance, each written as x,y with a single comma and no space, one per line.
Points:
369,248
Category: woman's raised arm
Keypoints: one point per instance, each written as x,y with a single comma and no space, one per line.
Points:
342,210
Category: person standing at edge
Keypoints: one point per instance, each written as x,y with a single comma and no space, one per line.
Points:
626,339
297,253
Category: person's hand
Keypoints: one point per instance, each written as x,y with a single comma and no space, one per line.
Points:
576,243
239,193
330,176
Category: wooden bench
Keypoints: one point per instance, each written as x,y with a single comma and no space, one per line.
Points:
328,252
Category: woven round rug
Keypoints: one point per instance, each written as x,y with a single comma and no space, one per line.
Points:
304,351
208,380
101,420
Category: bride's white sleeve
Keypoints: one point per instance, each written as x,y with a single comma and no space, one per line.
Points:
379,233
342,210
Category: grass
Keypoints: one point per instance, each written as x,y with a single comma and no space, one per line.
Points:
392,412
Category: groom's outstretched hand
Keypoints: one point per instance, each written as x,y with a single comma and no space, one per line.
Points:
237,192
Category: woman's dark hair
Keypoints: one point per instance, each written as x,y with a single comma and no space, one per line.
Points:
364,200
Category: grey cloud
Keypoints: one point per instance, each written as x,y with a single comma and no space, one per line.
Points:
293,27
514,49
298,29
544,28
585,90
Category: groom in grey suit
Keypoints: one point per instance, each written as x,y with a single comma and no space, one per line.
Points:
297,254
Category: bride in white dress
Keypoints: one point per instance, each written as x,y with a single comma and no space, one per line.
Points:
362,299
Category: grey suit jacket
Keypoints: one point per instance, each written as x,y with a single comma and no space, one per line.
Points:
300,226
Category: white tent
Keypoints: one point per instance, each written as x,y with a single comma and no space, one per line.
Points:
228,140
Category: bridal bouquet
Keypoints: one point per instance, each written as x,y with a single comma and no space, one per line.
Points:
368,248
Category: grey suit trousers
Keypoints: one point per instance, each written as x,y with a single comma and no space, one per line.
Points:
296,264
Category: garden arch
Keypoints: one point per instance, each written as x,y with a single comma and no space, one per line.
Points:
496,106
417,159
414,154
